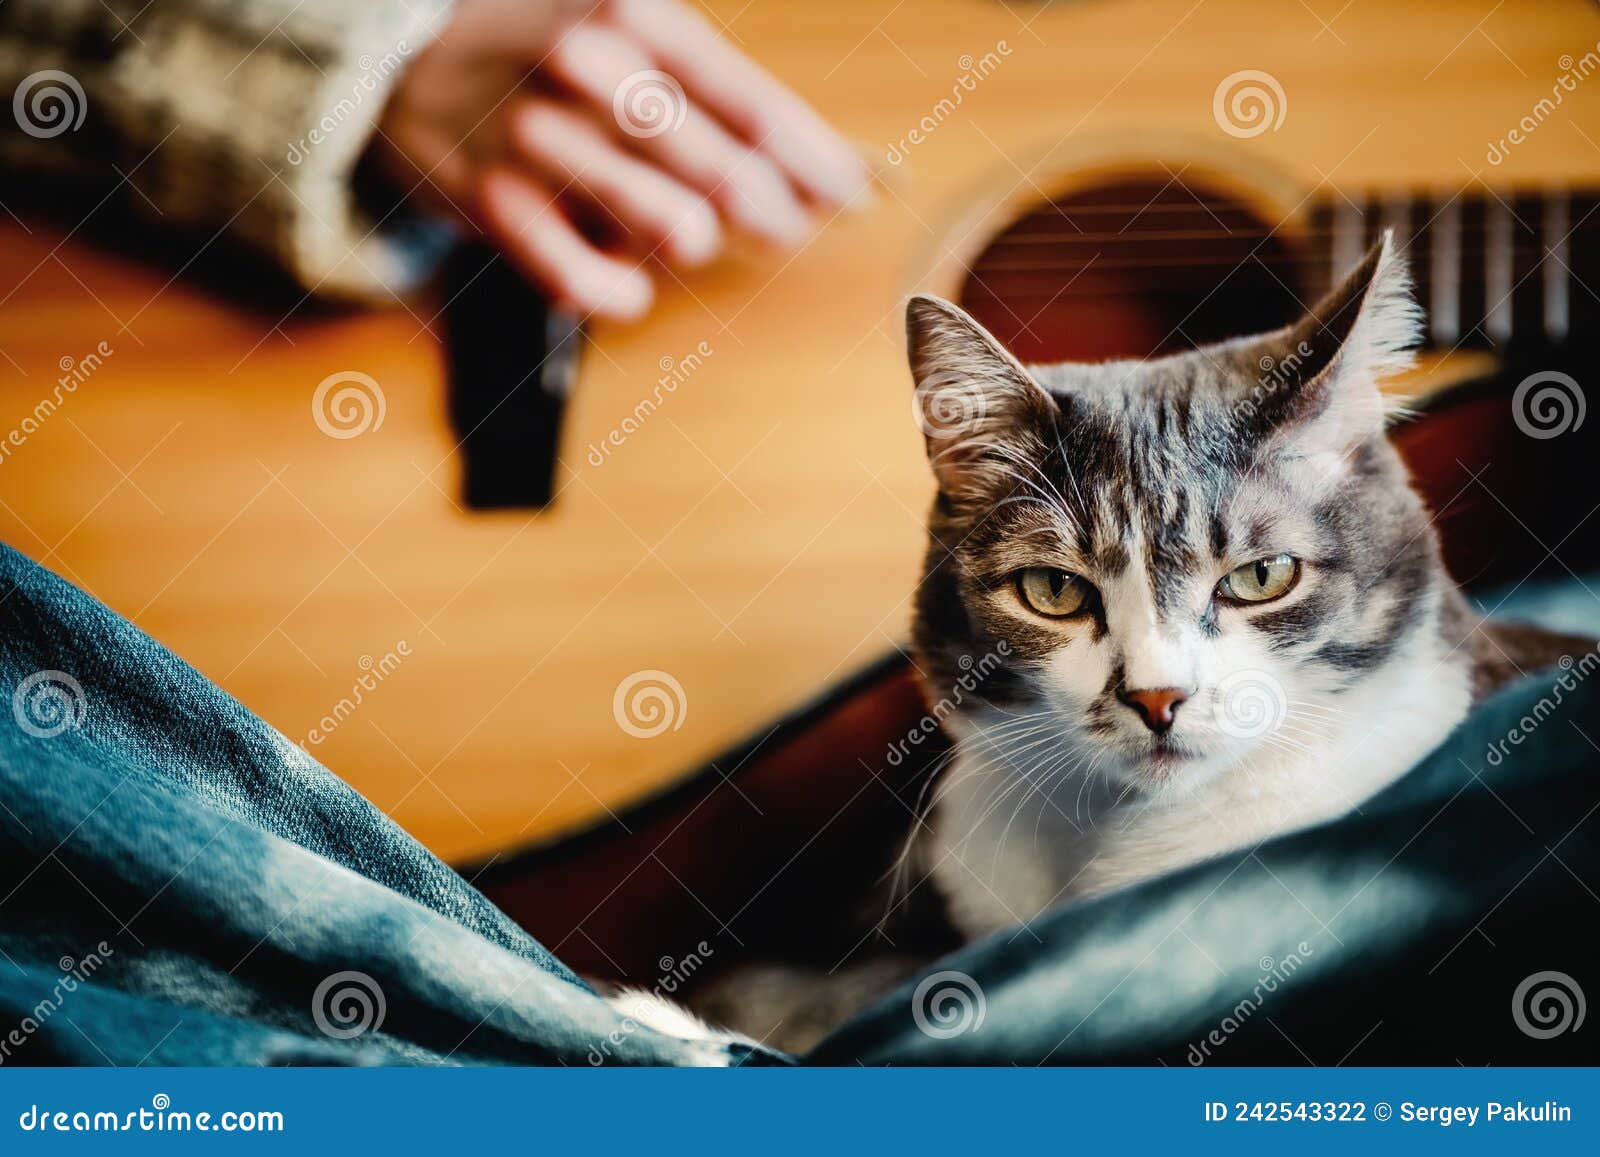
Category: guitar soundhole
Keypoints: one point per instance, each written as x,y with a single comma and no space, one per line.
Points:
1132,268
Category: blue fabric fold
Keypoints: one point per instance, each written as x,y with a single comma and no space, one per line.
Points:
180,884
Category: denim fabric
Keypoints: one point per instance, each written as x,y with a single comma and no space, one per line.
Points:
180,884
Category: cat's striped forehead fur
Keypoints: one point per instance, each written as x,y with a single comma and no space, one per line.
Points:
1152,480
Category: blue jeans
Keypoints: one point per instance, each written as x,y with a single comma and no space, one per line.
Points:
180,884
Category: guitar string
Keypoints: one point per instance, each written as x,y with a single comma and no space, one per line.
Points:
1466,270
1475,231
1376,204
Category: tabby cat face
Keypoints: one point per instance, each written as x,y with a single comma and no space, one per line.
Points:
1189,559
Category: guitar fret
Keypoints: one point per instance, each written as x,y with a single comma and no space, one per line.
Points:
1556,265
1497,258
1397,217
1349,235
1445,267
1493,269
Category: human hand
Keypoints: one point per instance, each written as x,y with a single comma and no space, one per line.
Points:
589,139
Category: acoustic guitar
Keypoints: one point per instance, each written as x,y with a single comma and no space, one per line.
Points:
278,495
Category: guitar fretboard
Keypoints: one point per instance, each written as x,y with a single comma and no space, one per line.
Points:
1139,267
1492,270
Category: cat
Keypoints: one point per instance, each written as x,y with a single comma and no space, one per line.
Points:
1222,602
1207,605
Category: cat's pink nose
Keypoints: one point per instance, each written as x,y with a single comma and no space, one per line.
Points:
1157,706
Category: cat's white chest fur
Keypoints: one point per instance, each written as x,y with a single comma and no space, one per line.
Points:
1002,851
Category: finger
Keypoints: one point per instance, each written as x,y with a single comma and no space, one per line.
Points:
525,221
569,152
654,118
497,27
736,89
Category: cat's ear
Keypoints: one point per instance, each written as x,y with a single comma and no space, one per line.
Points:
1318,385
976,404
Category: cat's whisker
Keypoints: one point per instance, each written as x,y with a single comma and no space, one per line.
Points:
1039,781
1012,455
1053,499
1284,741
1038,819
1077,800
1310,728
1001,753
1319,709
1009,781
1026,779
899,869
1089,778
1012,747
1323,726
1068,763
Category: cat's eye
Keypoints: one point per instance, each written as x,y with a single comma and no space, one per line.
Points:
1053,592
1260,581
